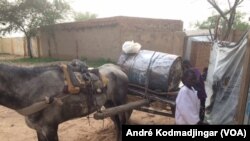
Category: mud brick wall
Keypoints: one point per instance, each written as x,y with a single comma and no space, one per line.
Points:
103,38
200,54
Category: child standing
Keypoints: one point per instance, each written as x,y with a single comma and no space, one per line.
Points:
187,102
199,86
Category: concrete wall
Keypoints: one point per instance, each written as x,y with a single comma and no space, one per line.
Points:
7,45
154,34
76,41
1,45
103,38
17,46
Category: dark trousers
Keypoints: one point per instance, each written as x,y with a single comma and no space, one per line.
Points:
202,109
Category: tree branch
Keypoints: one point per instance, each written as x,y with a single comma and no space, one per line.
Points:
228,21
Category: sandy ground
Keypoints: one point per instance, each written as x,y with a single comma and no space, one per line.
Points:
13,127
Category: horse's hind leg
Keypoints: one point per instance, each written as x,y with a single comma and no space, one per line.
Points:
48,133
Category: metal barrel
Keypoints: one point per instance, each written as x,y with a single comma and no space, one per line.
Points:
154,70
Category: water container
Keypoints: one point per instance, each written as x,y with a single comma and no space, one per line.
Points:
154,70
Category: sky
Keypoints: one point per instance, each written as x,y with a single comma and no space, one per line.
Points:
189,11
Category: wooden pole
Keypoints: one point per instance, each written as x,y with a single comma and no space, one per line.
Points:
155,111
119,109
241,108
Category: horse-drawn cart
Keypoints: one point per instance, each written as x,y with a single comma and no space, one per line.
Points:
154,77
143,102
165,98
56,93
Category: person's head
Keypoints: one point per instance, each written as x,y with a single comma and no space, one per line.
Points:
186,65
205,70
189,78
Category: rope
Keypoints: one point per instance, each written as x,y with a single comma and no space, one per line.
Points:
132,66
91,92
147,76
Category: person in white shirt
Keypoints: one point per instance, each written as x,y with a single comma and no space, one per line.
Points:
187,101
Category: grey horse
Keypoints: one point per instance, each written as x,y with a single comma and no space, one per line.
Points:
21,87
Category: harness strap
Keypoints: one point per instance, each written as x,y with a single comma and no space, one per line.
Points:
33,108
71,88
40,105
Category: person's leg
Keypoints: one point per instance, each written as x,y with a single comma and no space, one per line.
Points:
202,110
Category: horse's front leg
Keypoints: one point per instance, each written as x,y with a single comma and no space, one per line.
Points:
48,133
116,120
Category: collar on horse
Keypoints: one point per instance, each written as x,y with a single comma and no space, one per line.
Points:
78,78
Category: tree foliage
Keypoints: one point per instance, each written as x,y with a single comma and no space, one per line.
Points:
226,21
239,22
78,16
28,15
